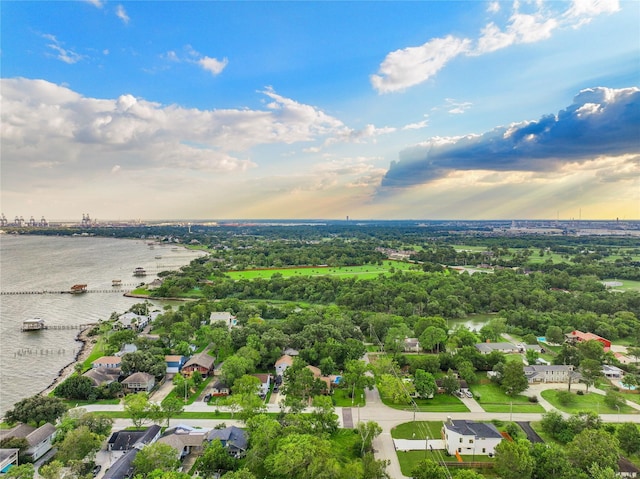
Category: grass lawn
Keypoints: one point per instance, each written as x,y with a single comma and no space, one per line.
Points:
365,272
97,351
440,403
341,398
421,429
71,403
191,399
410,459
587,402
627,285
493,399
345,443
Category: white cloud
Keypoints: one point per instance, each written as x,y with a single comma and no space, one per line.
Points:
493,7
213,65
62,54
457,107
121,13
412,66
417,125
44,123
96,3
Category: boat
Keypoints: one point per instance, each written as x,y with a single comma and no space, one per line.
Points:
139,271
35,324
158,257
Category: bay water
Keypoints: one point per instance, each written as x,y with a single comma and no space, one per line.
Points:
30,361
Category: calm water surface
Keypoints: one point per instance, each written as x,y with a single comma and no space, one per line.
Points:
29,362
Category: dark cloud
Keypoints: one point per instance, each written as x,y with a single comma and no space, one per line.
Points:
600,121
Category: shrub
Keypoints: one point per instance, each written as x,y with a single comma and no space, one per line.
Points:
533,399
580,393
566,398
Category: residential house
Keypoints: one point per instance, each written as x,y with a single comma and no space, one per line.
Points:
612,372
488,348
265,384
411,345
174,363
130,442
107,362
577,336
8,459
229,320
531,347
132,320
220,388
626,468
102,376
200,362
541,373
470,438
283,363
318,375
139,382
233,439
127,348
39,439
155,284
184,440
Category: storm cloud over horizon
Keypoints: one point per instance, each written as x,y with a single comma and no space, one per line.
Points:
600,121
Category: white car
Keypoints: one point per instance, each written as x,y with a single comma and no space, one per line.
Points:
469,394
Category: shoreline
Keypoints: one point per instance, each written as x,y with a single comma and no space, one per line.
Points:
83,353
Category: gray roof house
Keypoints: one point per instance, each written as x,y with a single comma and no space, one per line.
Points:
233,439
131,442
139,382
470,438
488,348
102,376
39,439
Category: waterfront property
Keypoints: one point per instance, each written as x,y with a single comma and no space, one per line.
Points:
470,438
8,459
107,362
102,376
39,439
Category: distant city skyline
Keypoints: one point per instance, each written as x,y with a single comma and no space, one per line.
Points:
273,110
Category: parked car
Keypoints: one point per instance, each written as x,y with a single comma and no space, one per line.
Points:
96,470
469,394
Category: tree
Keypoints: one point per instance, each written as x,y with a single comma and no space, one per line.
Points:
513,460
245,397
75,387
171,406
78,444
138,407
324,415
432,337
591,370
356,376
373,468
394,340
143,361
591,349
467,474
301,456
594,446
550,461
25,471
424,383
155,456
243,473
450,383
513,380
628,435
614,399
213,459
264,433
532,356
51,470
234,367
467,371
554,335
395,389
428,469
36,410
368,431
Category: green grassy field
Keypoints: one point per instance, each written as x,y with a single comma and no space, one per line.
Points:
341,398
417,430
364,272
410,459
439,403
627,285
493,399
588,402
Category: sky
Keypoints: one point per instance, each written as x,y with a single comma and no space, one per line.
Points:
365,109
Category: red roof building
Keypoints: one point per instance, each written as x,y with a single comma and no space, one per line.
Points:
579,337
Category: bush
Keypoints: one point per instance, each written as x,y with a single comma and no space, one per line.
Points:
533,399
580,393
566,398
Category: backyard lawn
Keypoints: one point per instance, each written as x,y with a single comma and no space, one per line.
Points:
410,459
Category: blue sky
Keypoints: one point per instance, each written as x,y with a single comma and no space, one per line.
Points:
426,110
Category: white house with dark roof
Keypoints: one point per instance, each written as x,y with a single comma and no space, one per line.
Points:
470,438
39,439
107,362
552,373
